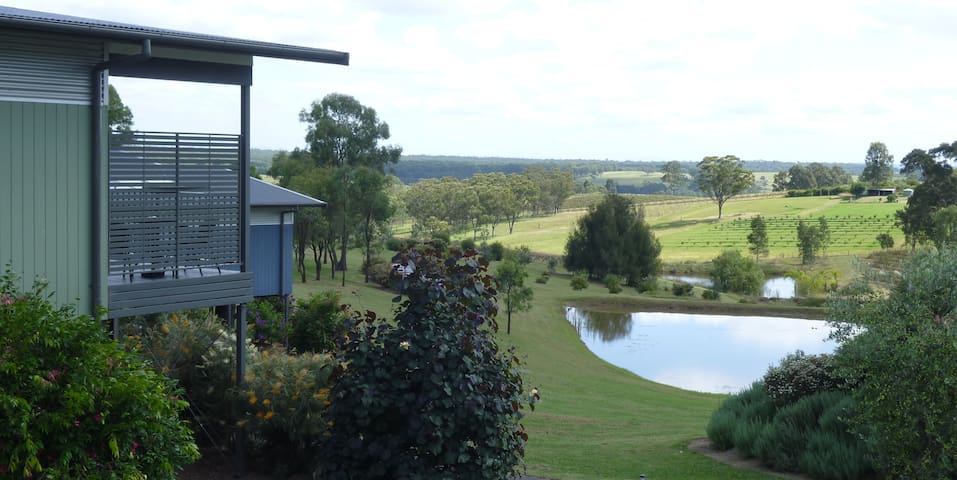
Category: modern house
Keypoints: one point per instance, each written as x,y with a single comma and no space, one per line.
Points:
273,210
136,222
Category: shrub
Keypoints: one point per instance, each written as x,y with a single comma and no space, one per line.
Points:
283,400
799,375
379,271
731,272
613,283
266,325
833,452
579,281
496,251
711,294
750,405
682,289
467,244
75,404
892,198
885,240
316,323
552,264
395,244
785,440
192,348
543,278
429,394
522,254
647,285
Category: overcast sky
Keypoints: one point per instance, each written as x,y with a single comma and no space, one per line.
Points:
625,80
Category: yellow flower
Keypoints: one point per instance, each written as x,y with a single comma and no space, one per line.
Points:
174,318
295,398
259,415
252,400
276,388
268,415
323,393
165,328
165,369
266,402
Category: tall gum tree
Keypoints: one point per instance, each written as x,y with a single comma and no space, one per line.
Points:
344,134
723,178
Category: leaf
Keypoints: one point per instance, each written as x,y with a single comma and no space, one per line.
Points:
114,448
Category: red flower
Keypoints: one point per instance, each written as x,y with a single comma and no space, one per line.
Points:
54,375
135,446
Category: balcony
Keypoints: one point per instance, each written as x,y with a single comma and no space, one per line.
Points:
175,222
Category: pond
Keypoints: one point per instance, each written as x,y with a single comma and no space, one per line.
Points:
776,287
705,353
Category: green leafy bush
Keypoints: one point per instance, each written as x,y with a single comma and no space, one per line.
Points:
903,355
467,244
579,281
543,278
682,289
799,375
395,244
316,323
430,394
266,325
75,404
522,254
283,400
379,271
732,272
647,285
711,294
833,452
885,240
750,405
496,251
613,283
786,439
552,264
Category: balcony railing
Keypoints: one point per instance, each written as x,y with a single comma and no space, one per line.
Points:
174,203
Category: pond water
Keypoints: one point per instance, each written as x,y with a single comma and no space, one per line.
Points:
705,353
776,287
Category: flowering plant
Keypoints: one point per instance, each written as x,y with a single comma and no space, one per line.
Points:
75,404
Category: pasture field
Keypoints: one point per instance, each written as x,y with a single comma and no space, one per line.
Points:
689,229
595,421
641,177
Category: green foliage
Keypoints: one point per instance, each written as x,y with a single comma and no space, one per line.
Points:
282,403
510,280
786,439
799,375
878,166
902,353
751,405
758,238
647,285
119,116
731,272
945,226
938,190
267,326
430,394
682,289
467,244
892,198
722,178
815,283
496,251
543,278
75,404
858,189
711,294
811,240
316,323
673,176
552,265
833,452
613,238
579,281
613,283
885,240
379,271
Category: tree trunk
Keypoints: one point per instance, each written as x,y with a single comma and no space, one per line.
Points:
345,244
368,245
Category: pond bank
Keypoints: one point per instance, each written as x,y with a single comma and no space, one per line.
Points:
682,305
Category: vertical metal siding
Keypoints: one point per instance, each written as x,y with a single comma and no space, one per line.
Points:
264,259
45,196
39,67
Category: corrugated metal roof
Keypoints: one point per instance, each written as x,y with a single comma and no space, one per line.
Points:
262,194
54,22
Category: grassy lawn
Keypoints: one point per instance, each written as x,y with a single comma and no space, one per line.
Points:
595,421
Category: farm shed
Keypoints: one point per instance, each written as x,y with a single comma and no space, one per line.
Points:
140,222
880,192
273,209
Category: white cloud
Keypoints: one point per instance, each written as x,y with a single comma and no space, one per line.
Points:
598,79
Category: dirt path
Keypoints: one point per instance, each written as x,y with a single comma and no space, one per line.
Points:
730,457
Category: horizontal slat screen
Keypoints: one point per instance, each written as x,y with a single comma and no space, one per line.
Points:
174,202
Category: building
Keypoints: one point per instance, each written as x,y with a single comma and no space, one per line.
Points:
273,210
137,222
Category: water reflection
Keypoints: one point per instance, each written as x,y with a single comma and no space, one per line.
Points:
709,353
776,287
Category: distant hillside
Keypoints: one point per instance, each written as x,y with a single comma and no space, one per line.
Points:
413,168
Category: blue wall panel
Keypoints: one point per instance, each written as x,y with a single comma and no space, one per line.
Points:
265,257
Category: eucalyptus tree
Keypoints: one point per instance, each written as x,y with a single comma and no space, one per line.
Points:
723,178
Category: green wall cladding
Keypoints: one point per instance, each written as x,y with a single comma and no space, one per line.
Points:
45,197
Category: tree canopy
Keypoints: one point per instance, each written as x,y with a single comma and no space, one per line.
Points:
722,178
673,175
937,191
878,166
343,132
119,116
613,238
